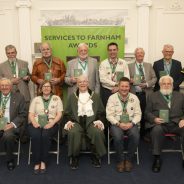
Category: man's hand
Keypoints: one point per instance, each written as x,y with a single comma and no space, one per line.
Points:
181,123
158,121
26,78
115,89
55,81
15,80
40,81
8,126
126,126
73,80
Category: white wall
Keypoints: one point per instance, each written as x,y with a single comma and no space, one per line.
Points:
166,22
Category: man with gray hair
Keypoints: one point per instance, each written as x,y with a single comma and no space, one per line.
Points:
12,116
164,114
168,66
82,65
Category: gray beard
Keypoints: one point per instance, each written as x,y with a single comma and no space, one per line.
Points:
166,91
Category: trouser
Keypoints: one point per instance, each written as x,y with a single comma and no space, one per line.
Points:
76,134
119,142
105,94
157,135
41,142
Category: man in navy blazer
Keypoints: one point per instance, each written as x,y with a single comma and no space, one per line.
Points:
168,66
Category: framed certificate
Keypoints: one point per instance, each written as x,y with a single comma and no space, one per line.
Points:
47,76
119,75
3,121
124,118
162,73
23,72
137,79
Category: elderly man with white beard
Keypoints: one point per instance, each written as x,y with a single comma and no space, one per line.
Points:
164,114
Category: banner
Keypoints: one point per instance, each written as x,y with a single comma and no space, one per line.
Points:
64,40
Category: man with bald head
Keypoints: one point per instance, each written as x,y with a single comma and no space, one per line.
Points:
85,121
12,115
168,66
49,68
164,114
85,65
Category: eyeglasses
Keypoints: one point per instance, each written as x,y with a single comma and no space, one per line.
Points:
46,86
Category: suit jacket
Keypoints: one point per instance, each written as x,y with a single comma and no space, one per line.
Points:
5,71
150,76
156,102
175,73
17,109
58,71
71,111
93,75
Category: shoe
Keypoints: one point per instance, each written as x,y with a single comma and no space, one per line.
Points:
120,167
156,165
128,166
74,163
43,171
36,171
1,133
96,161
10,165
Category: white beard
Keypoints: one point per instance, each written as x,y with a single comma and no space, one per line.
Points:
166,91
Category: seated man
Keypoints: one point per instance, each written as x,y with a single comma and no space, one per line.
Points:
84,114
124,113
164,114
12,116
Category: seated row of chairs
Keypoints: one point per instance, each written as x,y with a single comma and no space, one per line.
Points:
109,150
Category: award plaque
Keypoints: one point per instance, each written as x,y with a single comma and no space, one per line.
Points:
47,76
124,118
164,114
42,120
162,73
119,75
22,72
3,122
77,72
137,79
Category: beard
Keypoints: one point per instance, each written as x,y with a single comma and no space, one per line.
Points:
166,91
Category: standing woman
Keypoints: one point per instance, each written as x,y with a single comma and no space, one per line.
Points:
44,115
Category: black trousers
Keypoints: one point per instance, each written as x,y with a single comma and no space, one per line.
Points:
41,142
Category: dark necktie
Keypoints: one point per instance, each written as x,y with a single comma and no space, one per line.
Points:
141,72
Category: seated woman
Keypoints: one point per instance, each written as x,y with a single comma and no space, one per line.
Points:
44,114
84,114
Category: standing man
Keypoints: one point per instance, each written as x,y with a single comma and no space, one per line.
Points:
82,65
110,71
124,113
49,68
143,79
168,66
18,72
12,116
164,114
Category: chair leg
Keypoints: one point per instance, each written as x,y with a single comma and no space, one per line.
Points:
29,156
137,155
58,148
108,146
18,152
181,144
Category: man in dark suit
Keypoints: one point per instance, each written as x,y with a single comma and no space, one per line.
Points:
144,87
164,114
168,66
12,116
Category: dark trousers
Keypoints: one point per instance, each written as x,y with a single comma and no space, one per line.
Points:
105,94
157,135
41,142
8,141
142,98
119,142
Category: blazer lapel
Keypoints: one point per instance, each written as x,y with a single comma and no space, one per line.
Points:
12,105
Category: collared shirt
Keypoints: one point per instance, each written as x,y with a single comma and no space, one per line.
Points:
37,107
106,75
114,109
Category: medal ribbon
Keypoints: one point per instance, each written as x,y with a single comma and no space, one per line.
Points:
124,104
46,104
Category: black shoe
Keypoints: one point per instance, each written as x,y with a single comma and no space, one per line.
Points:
183,164
96,161
74,163
156,165
10,165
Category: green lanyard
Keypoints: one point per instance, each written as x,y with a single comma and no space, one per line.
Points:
4,101
168,98
83,66
140,69
113,66
13,67
49,65
46,104
124,104
166,68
